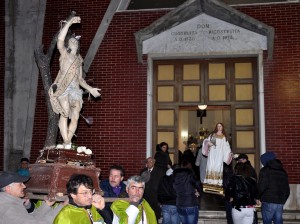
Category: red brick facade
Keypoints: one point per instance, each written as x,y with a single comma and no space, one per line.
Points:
118,132
282,87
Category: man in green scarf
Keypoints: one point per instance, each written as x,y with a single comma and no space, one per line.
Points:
83,203
136,210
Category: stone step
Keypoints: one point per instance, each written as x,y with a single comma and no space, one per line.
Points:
219,217
212,211
224,221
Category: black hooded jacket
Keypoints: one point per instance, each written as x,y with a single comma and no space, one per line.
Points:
185,185
243,190
273,185
166,192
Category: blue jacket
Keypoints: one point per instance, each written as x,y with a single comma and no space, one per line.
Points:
108,190
106,212
24,172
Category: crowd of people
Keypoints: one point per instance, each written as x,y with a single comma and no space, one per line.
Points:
161,192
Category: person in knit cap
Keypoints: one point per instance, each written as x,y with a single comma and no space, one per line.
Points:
273,188
266,157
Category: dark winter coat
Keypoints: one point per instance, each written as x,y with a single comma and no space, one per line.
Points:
185,185
273,185
162,159
243,191
166,192
253,172
151,188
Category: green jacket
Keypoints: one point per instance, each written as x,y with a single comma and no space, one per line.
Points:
71,214
119,209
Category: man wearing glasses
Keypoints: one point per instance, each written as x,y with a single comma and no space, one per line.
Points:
83,202
136,209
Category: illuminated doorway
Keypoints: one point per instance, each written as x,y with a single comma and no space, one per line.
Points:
227,85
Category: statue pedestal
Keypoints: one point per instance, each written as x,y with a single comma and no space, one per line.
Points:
51,179
65,156
213,189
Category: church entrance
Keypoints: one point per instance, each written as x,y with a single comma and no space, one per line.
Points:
229,88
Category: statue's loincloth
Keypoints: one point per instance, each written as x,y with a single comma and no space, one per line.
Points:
73,95
68,86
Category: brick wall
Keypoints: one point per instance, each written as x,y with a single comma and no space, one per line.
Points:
282,87
118,132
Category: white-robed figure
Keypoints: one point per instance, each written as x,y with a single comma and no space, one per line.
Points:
217,149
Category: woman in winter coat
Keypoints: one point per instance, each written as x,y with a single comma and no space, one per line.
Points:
162,158
242,191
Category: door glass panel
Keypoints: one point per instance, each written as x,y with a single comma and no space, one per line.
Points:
165,117
191,72
216,71
183,129
191,93
245,139
165,72
217,92
243,70
166,137
165,93
172,157
251,158
243,92
244,116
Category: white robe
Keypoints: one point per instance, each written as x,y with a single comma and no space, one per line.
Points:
216,155
132,213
